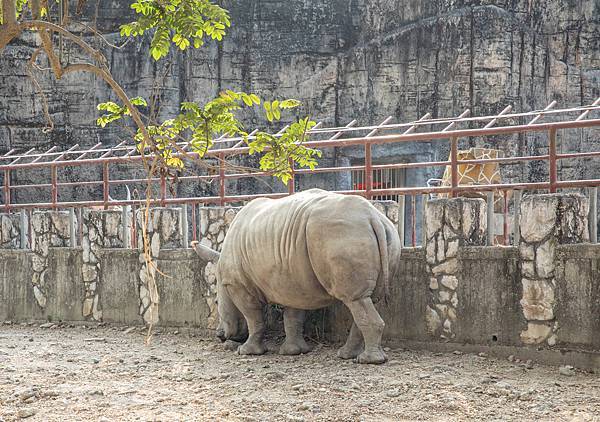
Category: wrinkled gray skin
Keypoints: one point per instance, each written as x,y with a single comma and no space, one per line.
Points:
305,252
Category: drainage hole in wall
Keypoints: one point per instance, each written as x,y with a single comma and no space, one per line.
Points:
494,338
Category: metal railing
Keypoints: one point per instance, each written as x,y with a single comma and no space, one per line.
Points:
549,121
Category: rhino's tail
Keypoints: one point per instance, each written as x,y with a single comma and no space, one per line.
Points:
206,253
384,275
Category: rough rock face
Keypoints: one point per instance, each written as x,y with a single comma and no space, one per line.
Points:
346,59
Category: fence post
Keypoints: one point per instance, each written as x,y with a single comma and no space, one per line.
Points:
454,165
125,227
517,218
24,229
401,211
54,182
72,228
105,185
221,179
593,216
490,219
368,172
552,160
184,226
424,198
7,191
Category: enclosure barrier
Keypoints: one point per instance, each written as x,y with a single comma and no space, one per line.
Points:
426,129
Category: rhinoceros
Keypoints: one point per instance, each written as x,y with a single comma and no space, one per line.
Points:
304,252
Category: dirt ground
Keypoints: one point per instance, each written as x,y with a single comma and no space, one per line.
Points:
54,373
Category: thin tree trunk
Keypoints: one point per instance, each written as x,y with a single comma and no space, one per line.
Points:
9,12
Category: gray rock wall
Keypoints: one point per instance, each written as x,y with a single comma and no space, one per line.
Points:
364,59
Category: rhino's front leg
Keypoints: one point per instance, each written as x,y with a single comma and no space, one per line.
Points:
371,325
293,322
252,309
354,344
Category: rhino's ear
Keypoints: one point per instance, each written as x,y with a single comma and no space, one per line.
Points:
206,253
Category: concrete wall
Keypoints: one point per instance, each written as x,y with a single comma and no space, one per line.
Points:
483,297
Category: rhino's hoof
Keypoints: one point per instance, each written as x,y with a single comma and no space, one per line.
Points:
348,353
291,349
374,357
252,349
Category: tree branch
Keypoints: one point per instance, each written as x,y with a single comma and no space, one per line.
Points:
104,74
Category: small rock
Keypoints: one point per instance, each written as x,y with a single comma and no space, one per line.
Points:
46,325
529,364
297,387
27,394
386,349
129,330
566,370
482,355
393,393
25,413
457,352
95,339
511,358
274,376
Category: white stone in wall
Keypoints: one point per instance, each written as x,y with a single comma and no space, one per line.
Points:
430,253
538,300
155,245
444,296
89,272
450,266
538,217
214,228
440,256
526,251
434,215
88,303
229,216
452,214
39,296
536,333
454,300
528,269
450,282
433,283
452,249
544,261
432,320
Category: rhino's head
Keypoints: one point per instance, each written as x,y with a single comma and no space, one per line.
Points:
232,325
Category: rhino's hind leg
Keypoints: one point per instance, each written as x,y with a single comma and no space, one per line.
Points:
371,325
354,344
252,310
293,322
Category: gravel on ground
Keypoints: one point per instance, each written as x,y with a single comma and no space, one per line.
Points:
54,372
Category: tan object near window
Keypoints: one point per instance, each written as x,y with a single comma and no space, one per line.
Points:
477,174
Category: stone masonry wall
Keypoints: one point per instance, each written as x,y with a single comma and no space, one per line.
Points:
10,231
214,223
450,223
101,229
49,230
163,231
546,222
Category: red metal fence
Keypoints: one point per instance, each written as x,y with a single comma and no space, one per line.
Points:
550,121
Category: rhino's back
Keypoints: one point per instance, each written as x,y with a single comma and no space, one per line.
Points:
270,244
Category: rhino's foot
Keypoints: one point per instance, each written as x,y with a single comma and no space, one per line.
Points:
231,345
346,352
252,348
372,356
297,347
